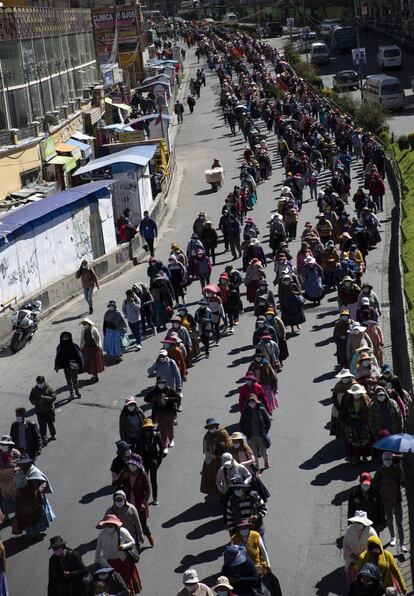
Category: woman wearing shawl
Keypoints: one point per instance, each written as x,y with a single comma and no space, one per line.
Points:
114,327
9,457
69,357
33,512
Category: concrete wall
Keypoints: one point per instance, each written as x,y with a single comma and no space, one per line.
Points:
13,164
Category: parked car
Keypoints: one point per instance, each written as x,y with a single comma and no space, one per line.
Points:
327,25
305,43
230,17
319,53
389,57
273,30
381,89
345,80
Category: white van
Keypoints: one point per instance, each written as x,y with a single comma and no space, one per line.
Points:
384,90
389,57
319,53
230,17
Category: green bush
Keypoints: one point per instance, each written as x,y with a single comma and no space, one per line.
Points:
385,137
403,142
410,138
292,55
374,120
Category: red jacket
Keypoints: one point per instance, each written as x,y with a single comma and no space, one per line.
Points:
257,389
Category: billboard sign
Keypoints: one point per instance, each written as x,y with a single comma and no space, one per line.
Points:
120,24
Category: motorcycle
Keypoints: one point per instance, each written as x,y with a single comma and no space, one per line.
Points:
24,323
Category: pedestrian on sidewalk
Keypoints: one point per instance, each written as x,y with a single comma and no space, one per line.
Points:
355,541
179,110
114,329
25,435
166,368
89,281
150,448
230,469
66,570
364,497
191,103
255,424
43,396
69,357
142,291
106,581
216,441
131,309
91,346
149,231
204,319
390,573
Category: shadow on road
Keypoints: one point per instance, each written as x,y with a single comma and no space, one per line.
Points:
86,547
17,544
206,556
326,454
332,584
343,472
69,319
211,527
325,377
194,513
102,492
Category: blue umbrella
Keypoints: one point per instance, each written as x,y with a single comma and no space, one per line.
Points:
400,443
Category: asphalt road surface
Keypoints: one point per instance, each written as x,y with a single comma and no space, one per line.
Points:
400,122
308,479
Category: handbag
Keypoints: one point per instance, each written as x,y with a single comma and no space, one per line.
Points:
74,366
272,583
132,552
124,341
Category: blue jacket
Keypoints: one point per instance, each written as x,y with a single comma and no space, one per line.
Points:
148,228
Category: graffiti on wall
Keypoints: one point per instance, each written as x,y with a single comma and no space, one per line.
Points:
81,237
21,272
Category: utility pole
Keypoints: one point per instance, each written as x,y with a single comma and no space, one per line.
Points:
358,42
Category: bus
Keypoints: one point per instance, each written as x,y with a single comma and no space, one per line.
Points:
343,38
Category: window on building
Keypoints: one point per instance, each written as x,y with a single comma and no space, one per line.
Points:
3,117
28,58
11,63
50,55
19,109
39,49
37,106
81,45
29,177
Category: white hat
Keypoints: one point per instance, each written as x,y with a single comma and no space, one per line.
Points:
226,457
345,372
309,260
365,301
223,582
361,517
356,389
358,329
254,241
163,353
190,577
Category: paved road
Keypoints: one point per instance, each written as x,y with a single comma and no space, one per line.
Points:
401,122
308,478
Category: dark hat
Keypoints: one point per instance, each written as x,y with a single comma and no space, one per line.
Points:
21,411
235,554
122,446
56,542
102,566
211,422
249,375
244,523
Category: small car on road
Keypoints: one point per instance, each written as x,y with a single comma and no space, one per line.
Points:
345,80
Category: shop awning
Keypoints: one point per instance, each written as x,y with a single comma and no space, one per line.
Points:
121,106
80,136
154,116
84,147
16,222
69,163
138,155
67,148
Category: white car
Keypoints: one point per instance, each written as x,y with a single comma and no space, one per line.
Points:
389,57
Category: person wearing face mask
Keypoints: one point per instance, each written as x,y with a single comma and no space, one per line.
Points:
131,309
393,383
263,299
354,420
204,320
330,263
114,329
128,515
130,421
340,334
365,366
66,570
43,396
216,441
260,327
150,448
365,311
217,313
229,470
167,369
242,453
89,281
367,582
181,331
166,402
364,497
33,511
192,585
375,333
355,541
188,323
387,481
367,292
223,587
357,338
251,386
240,570
70,358
390,573
255,424
266,376
348,292
120,462
274,322
105,580
176,352
25,435
178,276
9,457
242,502
384,414
254,274
291,303
91,346
270,350
254,545
114,543
135,483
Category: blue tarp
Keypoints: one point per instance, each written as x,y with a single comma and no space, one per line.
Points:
16,222
87,149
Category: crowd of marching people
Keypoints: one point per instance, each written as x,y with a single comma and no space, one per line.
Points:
259,91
